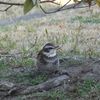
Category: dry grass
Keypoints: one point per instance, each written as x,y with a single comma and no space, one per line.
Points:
79,36
70,29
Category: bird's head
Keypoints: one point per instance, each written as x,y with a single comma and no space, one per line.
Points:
49,50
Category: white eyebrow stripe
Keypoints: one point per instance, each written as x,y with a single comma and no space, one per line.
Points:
48,46
52,53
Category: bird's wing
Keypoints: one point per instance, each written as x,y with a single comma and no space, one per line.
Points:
39,54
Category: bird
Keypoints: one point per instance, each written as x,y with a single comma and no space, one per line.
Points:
47,59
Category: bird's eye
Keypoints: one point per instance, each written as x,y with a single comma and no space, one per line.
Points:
50,48
46,50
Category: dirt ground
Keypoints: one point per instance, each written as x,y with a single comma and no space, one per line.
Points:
78,71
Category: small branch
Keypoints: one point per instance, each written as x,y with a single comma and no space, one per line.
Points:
49,2
11,4
52,83
23,90
33,44
66,7
21,4
20,53
10,92
7,8
60,9
7,3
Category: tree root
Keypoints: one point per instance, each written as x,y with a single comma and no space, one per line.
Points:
23,90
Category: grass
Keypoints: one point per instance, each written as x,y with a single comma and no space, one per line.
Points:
86,87
86,19
86,90
20,43
29,78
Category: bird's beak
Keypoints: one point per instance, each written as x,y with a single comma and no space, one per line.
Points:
57,48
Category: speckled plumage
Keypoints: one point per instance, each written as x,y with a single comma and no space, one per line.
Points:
47,59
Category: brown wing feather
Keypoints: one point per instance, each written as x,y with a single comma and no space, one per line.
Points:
39,54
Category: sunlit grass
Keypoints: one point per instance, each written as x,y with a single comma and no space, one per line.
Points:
27,38
86,19
87,89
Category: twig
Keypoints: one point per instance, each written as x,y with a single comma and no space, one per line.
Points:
49,84
30,48
9,92
52,1
15,4
75,6
13,55
11,4
21,4
55,10
33,44
64,7
7,8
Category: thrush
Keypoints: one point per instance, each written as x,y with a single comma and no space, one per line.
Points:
47,59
